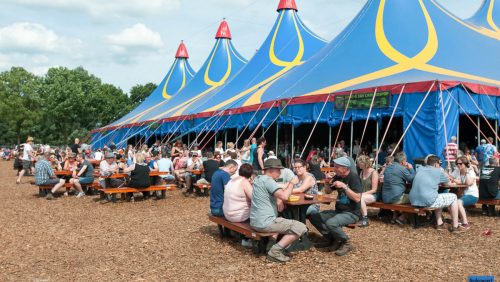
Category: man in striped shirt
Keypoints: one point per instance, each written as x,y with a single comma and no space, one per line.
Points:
44,175
450,154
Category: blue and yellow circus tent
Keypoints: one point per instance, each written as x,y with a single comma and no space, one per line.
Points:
440,64
289,44
487,16
222,64
178,76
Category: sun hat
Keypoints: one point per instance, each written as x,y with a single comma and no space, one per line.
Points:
109,156
30,139
272,163
483,141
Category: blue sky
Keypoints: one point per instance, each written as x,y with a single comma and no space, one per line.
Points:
129,42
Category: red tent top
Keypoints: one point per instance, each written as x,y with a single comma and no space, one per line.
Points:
223,31
287,4
182,51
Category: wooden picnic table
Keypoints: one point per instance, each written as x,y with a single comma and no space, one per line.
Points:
326,169
195,171
63,172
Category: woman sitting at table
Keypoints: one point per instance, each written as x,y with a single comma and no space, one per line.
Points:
238,198
464,174
307,183
180,165
369,185
54,163
139,175
70,164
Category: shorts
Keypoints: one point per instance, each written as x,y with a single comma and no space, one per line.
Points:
51,182
444,200
26,164
86,180
468,200
405,199
285,226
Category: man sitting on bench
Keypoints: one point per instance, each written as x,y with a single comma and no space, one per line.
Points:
395,177
424,193
488,185
267,199
347,209
44,175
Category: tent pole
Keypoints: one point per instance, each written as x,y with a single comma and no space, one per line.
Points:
376,140
236,145
478,131
458,130
352,135
215,140
263,131
189,139
496,130
225,138
293,142
277,131
329,143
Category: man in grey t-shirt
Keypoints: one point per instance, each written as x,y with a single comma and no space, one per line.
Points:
267,198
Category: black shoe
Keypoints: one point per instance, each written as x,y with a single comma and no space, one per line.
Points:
344,249
364,222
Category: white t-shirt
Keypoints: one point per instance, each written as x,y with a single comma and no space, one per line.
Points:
98,155
164,165
26,152
196,166
471,190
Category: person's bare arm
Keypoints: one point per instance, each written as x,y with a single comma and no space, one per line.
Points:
308,183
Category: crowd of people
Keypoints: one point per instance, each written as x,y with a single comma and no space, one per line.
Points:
251,184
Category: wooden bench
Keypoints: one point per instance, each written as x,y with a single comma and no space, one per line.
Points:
42,189
492,202
404,208
202,188
259,239
123,190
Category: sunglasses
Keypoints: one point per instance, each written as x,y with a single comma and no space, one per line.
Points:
460,163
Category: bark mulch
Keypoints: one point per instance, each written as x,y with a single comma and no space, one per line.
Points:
81,239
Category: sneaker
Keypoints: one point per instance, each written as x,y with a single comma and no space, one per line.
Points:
466,226
247,243
80,194
275,254
344,249
441,227
458,229
49,196
364,222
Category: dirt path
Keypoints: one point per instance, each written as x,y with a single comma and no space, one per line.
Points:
80,239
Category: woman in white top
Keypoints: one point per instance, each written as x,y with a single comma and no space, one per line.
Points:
238,195
464,174
218,148
245,152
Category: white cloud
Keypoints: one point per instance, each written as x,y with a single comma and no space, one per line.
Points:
134,41
33,38
105,9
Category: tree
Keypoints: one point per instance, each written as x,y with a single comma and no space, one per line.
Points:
19,93
139,93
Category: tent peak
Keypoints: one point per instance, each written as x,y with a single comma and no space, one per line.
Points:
287,4
182,51
223,31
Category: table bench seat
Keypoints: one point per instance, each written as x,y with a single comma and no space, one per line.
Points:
404,208
259,239
114,191
492,202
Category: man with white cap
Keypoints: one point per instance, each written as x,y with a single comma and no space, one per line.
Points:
107,167
347,208
267,196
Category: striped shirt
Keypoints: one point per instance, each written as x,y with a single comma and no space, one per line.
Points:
451,152
43,171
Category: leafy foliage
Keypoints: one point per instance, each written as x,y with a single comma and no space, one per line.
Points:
62,105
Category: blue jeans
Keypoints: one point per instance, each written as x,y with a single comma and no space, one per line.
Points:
312,209
498,196
217,212
330,223
468,200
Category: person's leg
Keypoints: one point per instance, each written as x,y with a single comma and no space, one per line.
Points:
364,212
335,225
461,212
187,176
318,221
26,166
77,185
453,209
439,219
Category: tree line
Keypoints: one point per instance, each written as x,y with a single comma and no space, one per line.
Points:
61,105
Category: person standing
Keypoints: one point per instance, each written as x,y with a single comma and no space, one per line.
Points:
450,154
258,156
76,147
27,159
253,147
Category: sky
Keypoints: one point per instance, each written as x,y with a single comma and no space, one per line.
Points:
130,42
